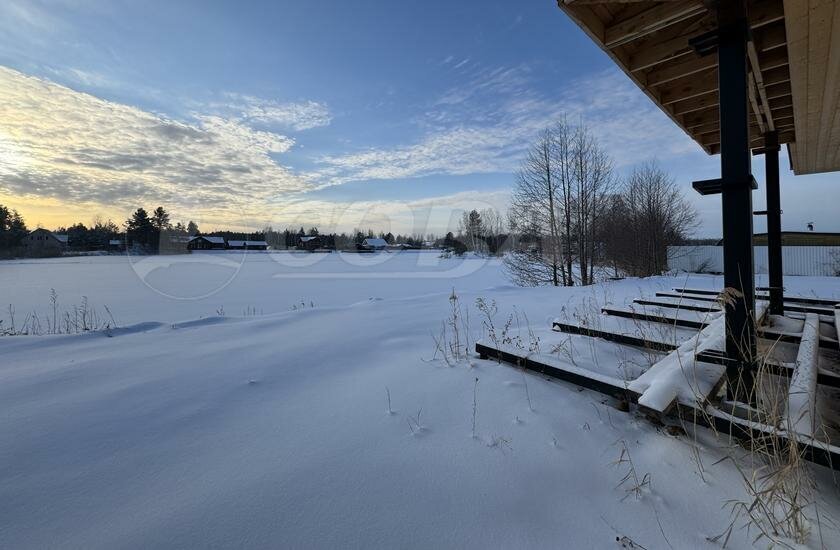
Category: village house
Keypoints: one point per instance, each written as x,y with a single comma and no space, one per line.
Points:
247,245
310,243
202,242
45,242
374,244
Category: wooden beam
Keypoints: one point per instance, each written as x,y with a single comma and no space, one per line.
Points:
770,37
766,12
756,83
775,76
674,46
778,90
689,87
712,140
624,339
695,104
751,85
651,20
689,66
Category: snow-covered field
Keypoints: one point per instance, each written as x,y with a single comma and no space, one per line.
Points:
243,402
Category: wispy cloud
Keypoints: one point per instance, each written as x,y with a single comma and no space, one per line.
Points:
486,124
59,143
289,115
436,214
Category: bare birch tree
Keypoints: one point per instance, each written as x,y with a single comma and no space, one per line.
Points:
533,213
558,201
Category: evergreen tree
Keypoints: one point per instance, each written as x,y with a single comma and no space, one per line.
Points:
140,230
12,228
160,219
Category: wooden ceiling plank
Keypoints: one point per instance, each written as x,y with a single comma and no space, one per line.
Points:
651,20
689,87
770,37
796,30
778,90
775,76
765,12
691,66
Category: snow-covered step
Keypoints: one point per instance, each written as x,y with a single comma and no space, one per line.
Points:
680,318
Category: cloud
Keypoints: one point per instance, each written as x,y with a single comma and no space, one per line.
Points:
59,143
419,217
296,116
485,125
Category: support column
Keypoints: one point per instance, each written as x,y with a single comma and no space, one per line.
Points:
736,189
774,222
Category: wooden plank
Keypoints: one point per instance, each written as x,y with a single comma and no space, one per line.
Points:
818,452
757,111
773,336
773,59
689,87
802,393
778,90
662,51
701,103
651,20
568,373
775,76
831,302
624,339
677,305
654,318
757,85
766,12
685,67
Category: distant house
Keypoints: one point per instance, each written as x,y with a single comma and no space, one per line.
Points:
374,244
310,243
247,245
116,244
207,243
44,241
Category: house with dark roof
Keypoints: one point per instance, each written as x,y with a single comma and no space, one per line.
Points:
374,244
43,241
310,243
247,245
202,242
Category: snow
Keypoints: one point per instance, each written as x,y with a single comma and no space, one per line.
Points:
803,382
268,426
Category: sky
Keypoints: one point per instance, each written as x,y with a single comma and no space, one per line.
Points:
391,115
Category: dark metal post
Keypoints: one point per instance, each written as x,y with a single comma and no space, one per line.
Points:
774,221
736,187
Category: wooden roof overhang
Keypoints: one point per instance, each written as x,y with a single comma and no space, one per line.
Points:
794,68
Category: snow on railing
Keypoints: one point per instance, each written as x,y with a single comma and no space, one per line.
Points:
802,394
